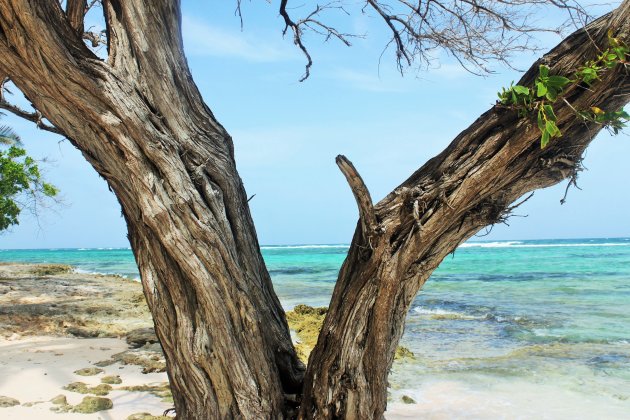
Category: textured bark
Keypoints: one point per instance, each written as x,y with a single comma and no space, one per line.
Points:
468,186
139,119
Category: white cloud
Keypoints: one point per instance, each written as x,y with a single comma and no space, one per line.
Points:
368,81
202,39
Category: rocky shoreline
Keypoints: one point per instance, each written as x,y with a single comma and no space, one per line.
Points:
49,307
96,332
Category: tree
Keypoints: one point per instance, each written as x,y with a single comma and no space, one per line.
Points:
21,183
139,119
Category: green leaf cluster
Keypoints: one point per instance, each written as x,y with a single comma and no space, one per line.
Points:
616,53
547,124
548,87
8,136
520,96
545,87
19,177
615,121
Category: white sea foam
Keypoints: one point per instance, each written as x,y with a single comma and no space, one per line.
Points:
517,244
93,273
102,273
438,312
490,244
425,311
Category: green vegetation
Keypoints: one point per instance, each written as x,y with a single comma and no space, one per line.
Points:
82,388
408,400
92,405
403,353
307,321
59,400
50,269
88,405
111,379
547,89
91,371
8,402
21,181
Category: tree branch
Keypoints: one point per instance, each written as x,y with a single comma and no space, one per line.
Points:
35,117
468,186
473,32
361,195
75,10
314,24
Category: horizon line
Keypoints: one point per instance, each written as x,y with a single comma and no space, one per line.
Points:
106,248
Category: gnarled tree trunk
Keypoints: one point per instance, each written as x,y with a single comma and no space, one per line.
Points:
139,119
471,184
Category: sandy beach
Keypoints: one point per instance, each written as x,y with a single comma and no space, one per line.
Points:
65,336
59,329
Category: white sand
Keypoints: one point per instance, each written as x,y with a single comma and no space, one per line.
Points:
34,369
512,399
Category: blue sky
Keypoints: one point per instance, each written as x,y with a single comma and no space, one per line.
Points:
287,135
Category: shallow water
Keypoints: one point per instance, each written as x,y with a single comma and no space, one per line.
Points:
552,314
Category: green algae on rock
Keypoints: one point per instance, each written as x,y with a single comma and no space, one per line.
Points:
111,379
59,400
92,405
147,416
161,390
82,388
8,402
91,371
408,400
403,353
307,321
50,269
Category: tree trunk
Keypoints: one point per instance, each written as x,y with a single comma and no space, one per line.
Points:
139,119
400,241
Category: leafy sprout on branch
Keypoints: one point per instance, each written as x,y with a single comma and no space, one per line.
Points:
547,88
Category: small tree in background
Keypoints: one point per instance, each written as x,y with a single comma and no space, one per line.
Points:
21,182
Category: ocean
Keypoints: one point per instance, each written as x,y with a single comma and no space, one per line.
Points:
518,320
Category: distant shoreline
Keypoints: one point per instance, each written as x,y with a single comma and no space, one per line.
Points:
323,245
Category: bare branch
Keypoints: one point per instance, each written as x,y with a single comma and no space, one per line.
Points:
95,38
35,116
473,32
314,24
238,12
361,195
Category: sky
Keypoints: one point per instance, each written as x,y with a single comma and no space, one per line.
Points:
287,134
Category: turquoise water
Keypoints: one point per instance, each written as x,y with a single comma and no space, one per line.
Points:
545,312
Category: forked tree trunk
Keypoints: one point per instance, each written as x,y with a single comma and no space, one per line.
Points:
400,241
138,118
